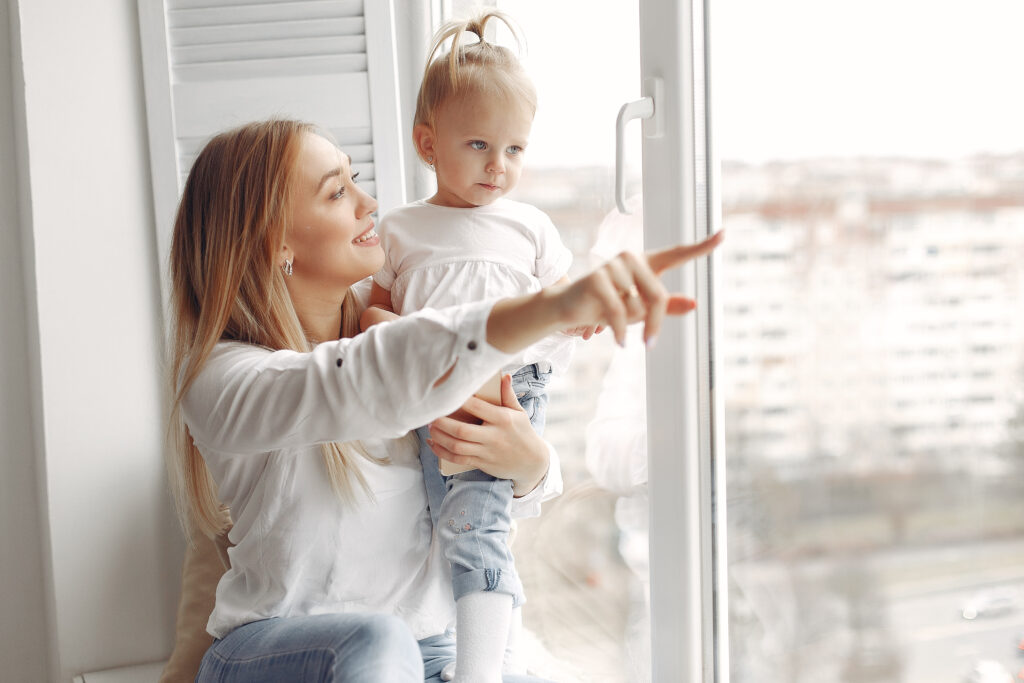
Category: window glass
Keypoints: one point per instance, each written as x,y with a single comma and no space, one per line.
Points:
871,337
583,562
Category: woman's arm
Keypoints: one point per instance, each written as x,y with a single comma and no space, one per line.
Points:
249,399
388,380
622,291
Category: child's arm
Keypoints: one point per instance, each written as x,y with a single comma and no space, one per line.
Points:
379,309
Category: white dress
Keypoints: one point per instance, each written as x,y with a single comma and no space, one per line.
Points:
438,256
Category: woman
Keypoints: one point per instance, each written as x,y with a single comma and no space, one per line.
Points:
299,427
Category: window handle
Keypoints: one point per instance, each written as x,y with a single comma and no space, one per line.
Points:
644,108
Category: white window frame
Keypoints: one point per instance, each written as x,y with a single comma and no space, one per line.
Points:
689,612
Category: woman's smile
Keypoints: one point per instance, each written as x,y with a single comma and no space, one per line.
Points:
368,238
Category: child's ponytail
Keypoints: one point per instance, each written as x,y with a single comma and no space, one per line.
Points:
477,67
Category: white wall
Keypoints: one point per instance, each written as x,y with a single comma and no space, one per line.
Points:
85,391
22,624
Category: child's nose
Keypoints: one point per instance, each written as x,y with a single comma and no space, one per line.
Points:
495,164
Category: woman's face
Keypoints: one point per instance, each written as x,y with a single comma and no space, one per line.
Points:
330,238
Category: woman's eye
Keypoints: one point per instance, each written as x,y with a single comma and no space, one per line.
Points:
478,145
341,188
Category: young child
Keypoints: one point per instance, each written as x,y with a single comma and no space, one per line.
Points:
465,243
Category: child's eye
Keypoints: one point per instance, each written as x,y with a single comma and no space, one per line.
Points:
478,145
514,149
355,176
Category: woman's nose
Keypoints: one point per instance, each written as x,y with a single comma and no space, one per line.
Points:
367,204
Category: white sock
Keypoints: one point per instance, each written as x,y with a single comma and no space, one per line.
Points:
513,663
482,621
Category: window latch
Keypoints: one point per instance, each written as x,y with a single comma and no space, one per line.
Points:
644,108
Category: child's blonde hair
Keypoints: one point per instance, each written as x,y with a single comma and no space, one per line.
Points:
480,68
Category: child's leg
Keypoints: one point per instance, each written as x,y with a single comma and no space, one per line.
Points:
483,621
513,662
439,654
530,385
432,477
473,526
473,529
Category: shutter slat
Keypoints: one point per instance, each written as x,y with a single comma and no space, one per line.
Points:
257,69
237,33
355,141
270,49
220,15
350,7
362,154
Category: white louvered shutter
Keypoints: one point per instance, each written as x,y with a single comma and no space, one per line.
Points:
209,65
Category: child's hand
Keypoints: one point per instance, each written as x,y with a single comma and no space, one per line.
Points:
375,314
585,331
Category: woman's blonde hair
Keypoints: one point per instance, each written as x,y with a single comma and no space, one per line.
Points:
479,68
227,284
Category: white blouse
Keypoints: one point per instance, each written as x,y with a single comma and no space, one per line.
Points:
258,417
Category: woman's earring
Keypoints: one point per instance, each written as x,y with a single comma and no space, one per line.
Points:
430,162
287,267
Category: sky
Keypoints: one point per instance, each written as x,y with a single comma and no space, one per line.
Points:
792,78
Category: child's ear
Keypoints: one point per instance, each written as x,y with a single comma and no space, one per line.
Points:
423,138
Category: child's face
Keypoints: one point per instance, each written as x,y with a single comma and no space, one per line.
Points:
478,147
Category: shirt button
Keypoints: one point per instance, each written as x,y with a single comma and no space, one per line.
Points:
339,363
471,346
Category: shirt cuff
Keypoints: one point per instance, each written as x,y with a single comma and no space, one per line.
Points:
469,325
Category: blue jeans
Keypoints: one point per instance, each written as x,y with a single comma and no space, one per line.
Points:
471,510
369,648
329,648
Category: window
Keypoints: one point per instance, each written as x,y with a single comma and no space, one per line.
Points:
884,541
583,562
860,458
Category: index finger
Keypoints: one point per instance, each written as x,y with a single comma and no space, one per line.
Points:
664,259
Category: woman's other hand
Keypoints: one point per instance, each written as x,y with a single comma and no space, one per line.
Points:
504,445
